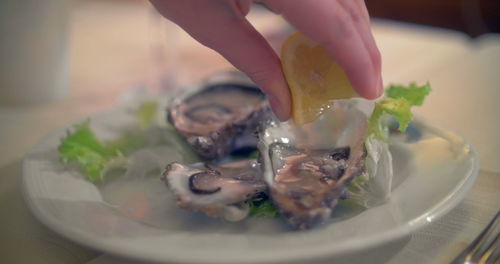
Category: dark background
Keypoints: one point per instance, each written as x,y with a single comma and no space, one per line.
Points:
474,17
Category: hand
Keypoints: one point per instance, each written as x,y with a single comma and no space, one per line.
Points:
341,26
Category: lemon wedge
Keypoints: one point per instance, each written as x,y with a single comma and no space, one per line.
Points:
314,78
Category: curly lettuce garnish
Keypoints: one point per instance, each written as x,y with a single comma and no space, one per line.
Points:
262,207
93,156
414,94
398,102
96,157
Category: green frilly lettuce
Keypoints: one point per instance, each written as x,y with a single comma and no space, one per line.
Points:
96,157
83,147
398,102
262,207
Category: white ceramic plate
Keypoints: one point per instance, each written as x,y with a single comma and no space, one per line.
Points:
136,217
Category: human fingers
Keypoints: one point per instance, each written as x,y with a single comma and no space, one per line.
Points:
221,26
361,19
342,27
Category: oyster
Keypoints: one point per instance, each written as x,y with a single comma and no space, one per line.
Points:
303,169
217,191
220,118
308,167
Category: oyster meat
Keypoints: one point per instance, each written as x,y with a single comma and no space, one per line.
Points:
221,118
216,190
307,168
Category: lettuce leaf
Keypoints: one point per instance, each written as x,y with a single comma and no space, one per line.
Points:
398,103
93,156
415,95
398,108
261,206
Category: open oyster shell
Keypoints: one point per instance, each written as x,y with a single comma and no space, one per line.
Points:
308,167
221,117
217,191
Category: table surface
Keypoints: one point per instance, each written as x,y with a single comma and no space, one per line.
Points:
117,46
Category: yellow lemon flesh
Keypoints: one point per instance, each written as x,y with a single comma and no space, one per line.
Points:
314,78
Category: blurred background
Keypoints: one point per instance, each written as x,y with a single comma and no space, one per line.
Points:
61,46
113,43
473,17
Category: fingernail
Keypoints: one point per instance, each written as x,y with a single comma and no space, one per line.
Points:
277,108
